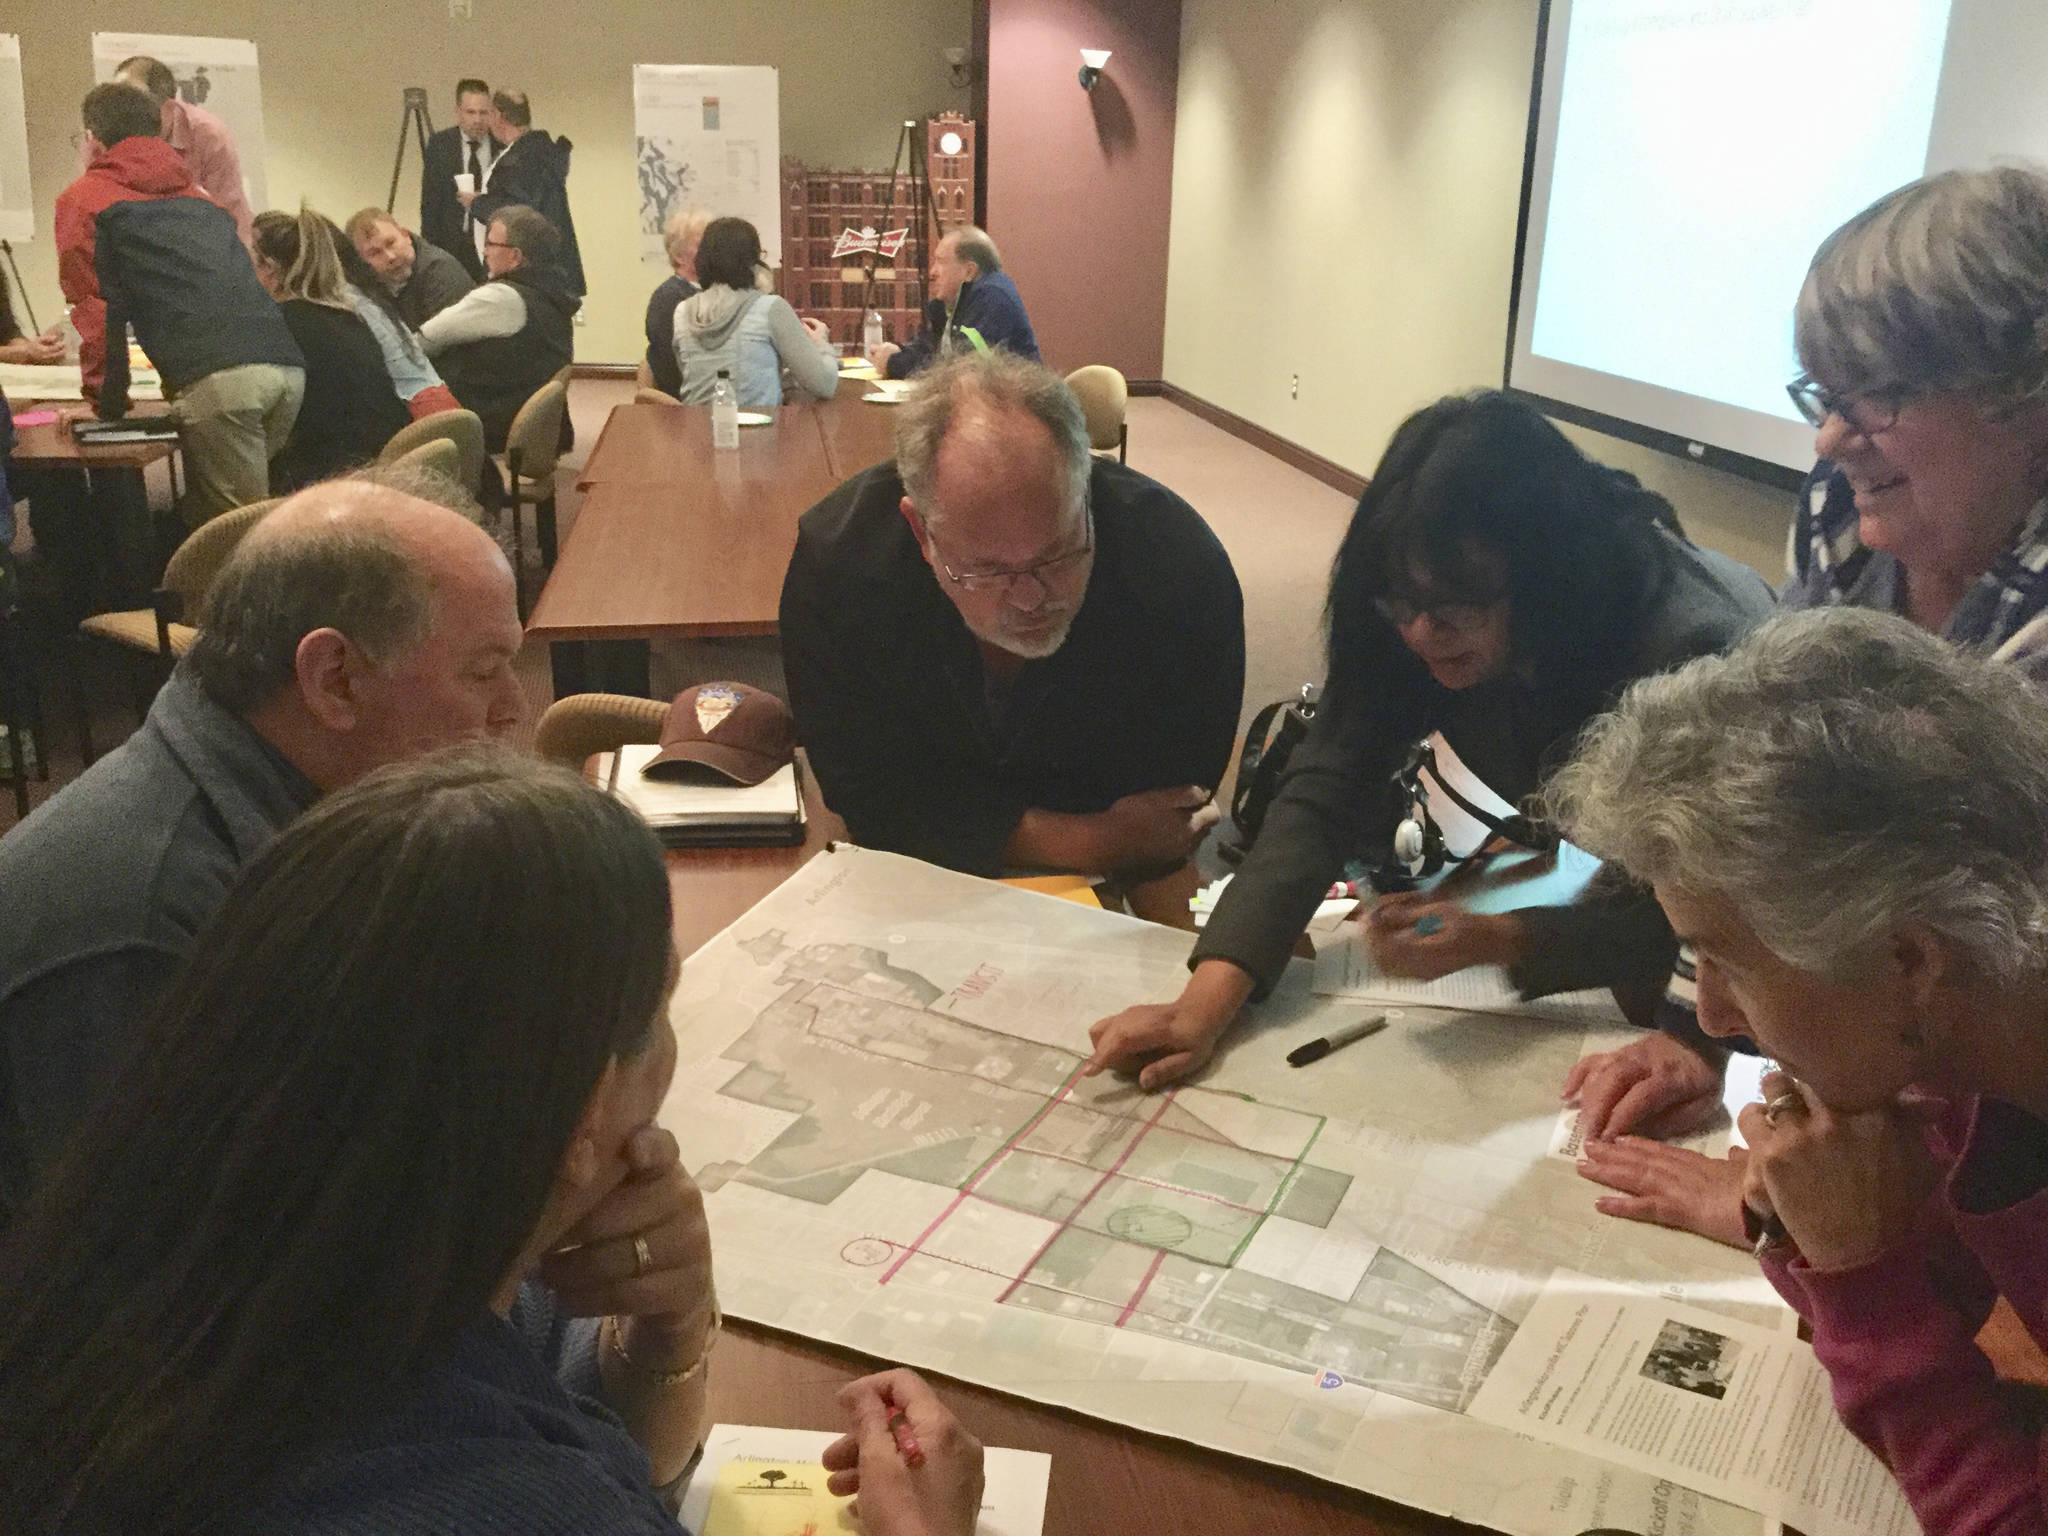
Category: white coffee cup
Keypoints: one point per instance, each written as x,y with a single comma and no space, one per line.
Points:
464,182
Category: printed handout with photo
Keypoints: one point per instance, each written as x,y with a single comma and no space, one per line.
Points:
1693,1358
216,73
17,202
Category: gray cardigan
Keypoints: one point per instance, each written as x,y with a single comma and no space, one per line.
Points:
1335,801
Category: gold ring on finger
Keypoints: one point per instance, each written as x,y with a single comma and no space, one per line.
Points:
643,1256
1775,1109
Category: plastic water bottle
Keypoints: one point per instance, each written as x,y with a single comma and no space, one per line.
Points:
725,412
871,335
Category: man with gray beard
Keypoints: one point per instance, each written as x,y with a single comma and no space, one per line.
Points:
1007,654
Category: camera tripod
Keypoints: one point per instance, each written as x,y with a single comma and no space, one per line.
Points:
415,117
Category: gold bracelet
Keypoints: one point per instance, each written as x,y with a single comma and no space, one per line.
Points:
668,1378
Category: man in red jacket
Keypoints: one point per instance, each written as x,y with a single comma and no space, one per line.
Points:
138,243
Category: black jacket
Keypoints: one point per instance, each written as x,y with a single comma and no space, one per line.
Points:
350,411
921,756
661,334
496,376
441,219
534,170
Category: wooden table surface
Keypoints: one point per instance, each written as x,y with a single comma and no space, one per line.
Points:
51,443
1106,1480
676,539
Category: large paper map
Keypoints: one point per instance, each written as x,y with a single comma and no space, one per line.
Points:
880,1095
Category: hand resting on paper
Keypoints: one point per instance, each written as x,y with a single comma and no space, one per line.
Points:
1416,936
1671,1186
1653,1086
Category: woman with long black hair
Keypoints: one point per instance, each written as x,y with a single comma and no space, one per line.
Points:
1501,588
285,1280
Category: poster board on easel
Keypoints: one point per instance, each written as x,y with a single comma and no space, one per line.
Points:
17,201
708,135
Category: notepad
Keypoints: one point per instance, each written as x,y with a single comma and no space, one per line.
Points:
747,1484
705,809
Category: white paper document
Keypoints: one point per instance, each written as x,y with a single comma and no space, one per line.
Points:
1344,968
1012,1496
1729,1410
879,1091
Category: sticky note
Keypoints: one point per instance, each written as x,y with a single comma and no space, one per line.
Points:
758,1497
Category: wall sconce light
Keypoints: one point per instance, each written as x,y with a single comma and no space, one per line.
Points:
956,62
1092,62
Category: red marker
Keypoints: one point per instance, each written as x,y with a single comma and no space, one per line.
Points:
906,1438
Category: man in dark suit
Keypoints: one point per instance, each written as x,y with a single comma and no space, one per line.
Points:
465,149
531,171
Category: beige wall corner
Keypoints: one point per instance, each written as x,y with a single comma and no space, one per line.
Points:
332,77
1346,177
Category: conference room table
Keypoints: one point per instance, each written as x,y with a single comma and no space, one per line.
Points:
1106,1480
677,539
113,475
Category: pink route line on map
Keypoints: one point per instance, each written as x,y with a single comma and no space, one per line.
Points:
1165,1104
968,1188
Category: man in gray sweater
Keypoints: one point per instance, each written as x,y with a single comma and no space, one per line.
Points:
357,625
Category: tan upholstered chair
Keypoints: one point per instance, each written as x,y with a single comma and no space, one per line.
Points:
163,629
465,429
1104,397
163,632
584,723
532,446
441,457
654,397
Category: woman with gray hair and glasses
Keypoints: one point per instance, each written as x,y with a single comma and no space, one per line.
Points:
1922,327
1848,821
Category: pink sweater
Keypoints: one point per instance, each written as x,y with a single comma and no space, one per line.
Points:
1897,1335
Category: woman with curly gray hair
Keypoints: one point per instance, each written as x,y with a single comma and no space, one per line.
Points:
1848,821
1922,328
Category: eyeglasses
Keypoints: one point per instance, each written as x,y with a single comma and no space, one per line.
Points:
1044,572
1816,403
1459,618
497,245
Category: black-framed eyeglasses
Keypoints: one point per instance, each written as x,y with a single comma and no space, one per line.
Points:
1815,402
1458,617
1045,572
497,245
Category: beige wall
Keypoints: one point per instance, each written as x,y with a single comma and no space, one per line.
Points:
1346,175
332,75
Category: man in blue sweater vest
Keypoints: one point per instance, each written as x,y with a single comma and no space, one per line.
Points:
973,303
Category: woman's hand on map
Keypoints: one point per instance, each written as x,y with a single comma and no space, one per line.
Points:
1653,1086
915,1470
1672,1186
1165,1042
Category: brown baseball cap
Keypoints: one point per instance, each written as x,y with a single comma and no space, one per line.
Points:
744,733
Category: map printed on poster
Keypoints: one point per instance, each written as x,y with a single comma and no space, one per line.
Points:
880,1093
217,73
17,202
708,135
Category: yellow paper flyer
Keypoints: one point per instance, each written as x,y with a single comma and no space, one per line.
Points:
755,1496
